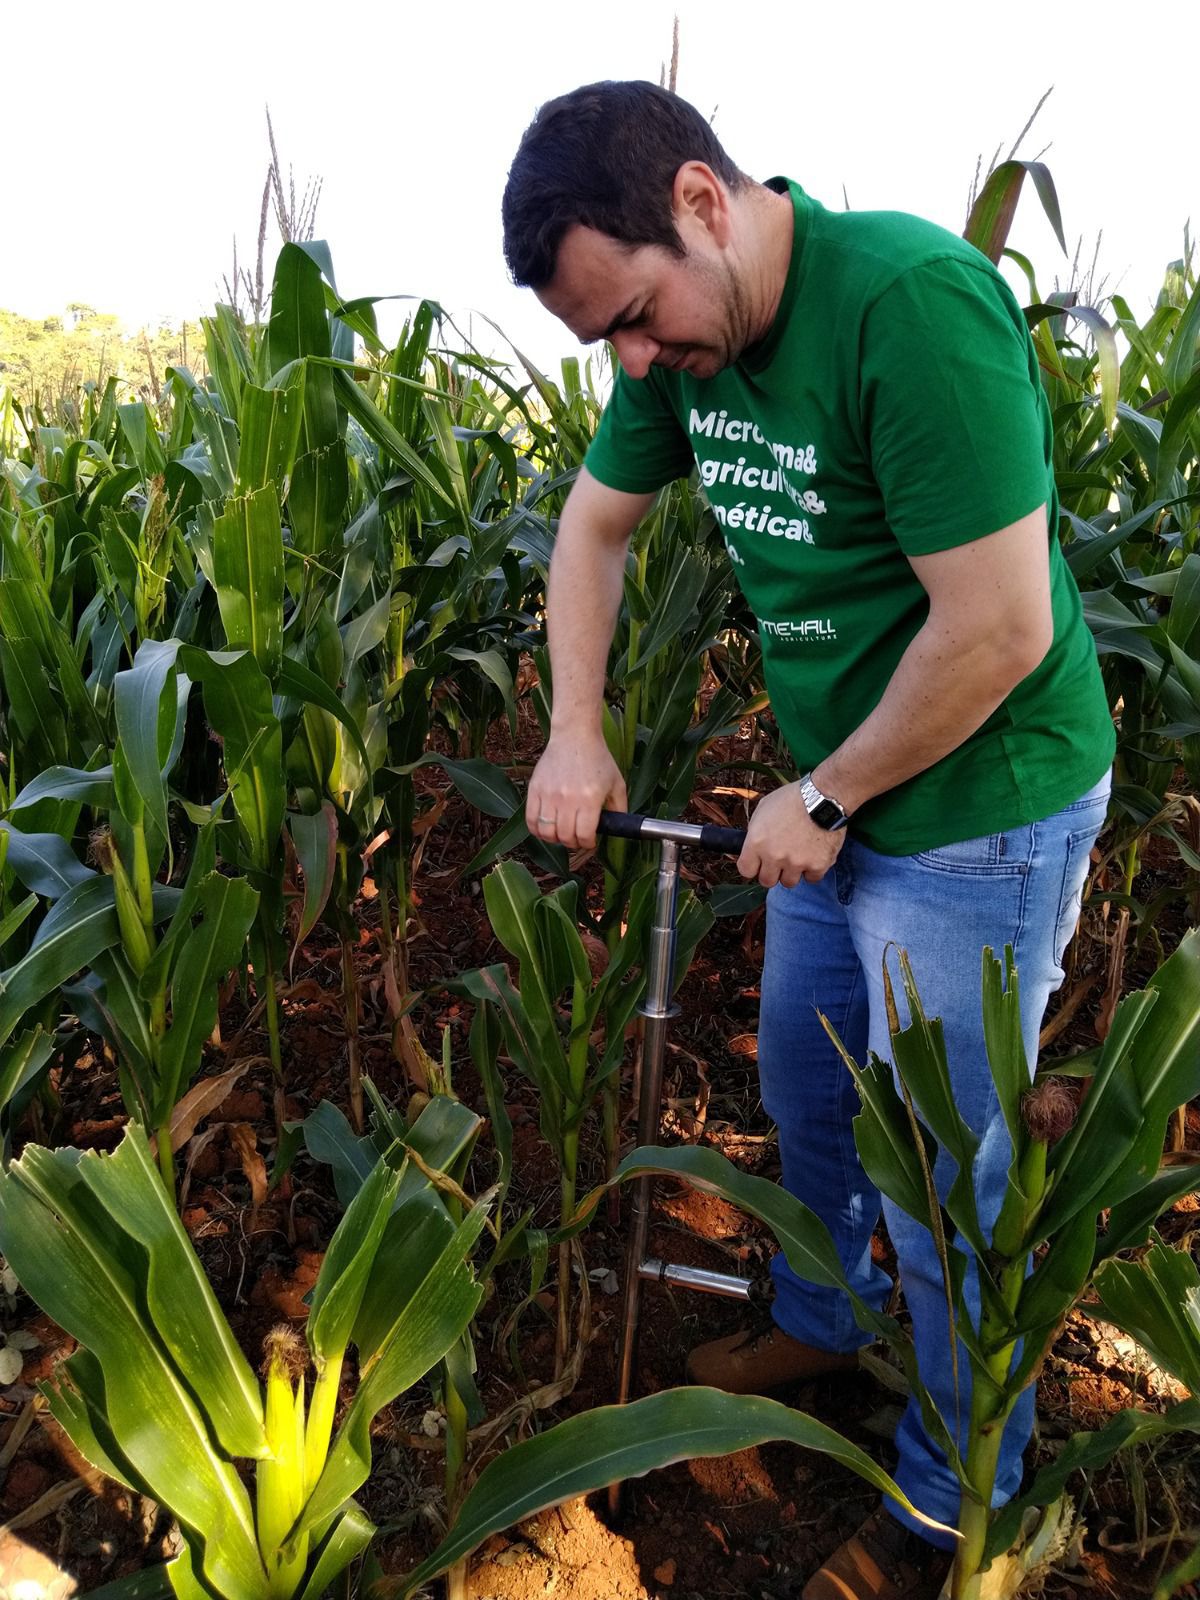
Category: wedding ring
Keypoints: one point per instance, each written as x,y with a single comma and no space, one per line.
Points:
548,819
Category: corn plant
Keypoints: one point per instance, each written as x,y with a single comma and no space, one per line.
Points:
443,1133
677,596
1063,1175
1127,457
579,1455
153,997
25,1056
160,1397
1060,1179
1157,1301
568,984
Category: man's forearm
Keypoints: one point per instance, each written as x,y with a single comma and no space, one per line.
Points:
941,691
582,599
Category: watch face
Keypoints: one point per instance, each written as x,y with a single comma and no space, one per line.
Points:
827,814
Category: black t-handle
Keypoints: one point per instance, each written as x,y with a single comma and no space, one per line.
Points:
629,825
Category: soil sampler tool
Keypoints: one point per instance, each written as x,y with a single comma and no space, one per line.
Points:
657,1010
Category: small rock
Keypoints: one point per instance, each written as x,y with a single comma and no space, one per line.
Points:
664,1573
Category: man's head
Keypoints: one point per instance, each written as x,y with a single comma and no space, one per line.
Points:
603,157
617,213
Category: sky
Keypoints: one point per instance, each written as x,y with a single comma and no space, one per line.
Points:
137,145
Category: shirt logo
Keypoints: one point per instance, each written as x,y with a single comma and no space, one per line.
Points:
812,630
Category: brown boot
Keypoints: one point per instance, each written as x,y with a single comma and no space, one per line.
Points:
756,1360
882,1561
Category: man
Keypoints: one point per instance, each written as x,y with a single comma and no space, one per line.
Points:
860,397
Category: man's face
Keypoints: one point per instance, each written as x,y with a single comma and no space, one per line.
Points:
658,309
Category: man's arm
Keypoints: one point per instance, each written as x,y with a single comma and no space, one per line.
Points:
989,625
577,776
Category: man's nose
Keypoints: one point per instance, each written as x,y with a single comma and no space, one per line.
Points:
635,350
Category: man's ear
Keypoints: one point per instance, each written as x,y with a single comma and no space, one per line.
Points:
700,204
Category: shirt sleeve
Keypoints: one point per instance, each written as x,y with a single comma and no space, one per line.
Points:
953,415
640,444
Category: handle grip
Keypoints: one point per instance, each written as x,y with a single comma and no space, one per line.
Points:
728,841
629,825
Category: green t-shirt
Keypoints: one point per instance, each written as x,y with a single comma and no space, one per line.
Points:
893,409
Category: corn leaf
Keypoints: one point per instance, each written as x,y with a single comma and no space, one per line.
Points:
86,923
43,862
919,1057
883,1137
1108,1121
76,1401
270,426
486,785
347,1266
237,697
94,788
348,1538
1130,1221
75,1259
1184,349
1165,1063
315,839
145,703
248,576
205,956
614,1442
1083,1452
182,1306
1157,1302
438,1301
378,428
800,1233
992,214
316,500
301,683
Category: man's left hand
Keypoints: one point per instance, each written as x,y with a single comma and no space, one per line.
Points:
783,843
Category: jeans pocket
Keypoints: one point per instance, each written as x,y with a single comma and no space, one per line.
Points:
1070,896
992,855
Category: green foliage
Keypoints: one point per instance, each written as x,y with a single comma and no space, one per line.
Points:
617,1442
159,1395
54,361
1057,1189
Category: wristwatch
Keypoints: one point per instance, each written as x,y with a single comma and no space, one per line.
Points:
822,808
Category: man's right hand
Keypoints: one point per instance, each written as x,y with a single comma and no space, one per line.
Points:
577,775
572,783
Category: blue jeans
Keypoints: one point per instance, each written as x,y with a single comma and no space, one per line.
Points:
825,951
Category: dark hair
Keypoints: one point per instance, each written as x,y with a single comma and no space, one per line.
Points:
604,156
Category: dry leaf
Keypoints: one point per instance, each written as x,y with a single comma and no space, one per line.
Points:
196,1144
710,811
244,1140
200,1099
